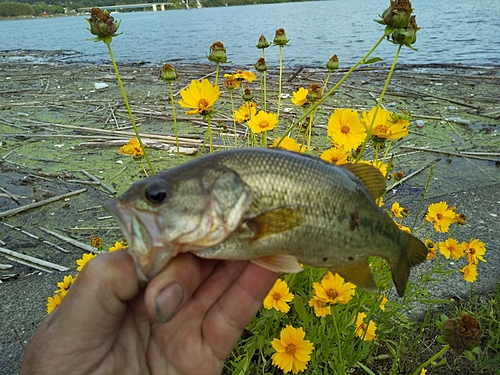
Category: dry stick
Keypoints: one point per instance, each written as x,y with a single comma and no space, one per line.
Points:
13,197
33,262
36,237
71,241
96,180
9,153
39,203
449,153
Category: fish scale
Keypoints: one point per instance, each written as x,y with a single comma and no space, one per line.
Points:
273,207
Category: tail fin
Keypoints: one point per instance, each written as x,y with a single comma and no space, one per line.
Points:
415,253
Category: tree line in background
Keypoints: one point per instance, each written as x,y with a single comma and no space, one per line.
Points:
50,7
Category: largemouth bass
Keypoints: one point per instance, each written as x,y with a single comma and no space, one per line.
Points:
273,207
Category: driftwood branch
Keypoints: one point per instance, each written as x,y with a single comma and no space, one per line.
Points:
71,241
31,261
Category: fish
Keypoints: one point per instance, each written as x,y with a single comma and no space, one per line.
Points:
276,208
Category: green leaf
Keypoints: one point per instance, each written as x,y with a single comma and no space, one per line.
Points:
372,60
298,304
365,368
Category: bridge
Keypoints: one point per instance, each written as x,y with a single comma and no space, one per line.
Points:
155,7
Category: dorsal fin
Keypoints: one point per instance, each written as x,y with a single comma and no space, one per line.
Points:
371,177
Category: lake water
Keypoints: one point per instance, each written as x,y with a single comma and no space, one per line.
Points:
465,31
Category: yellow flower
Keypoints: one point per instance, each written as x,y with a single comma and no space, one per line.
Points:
451,247
366,331
441,216
398,211
243,114
431,248
385,126
333,290
263,121
423,372
119,245
474,250
246,75
403,228
470,272
65,284
87,257
132,148
199,95
278,296
292,351
53,302
346,129
383,300
289,144
300,97
320,310
335,155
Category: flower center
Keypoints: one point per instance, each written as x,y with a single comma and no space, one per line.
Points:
472,251
276,296
345,129
439,216
290,349
382,129
332,294
203,104
263,124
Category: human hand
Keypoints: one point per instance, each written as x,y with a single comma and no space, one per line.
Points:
108,325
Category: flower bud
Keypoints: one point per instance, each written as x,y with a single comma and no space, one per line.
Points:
263,43
460,219
217,53
398,176
332,64
167,73
261,65
247,95
462,333
280,38
407,36
397,15
102,24
314,92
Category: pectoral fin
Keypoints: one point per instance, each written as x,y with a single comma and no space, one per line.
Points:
275,221
279,263
359,274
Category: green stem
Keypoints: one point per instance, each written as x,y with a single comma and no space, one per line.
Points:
175,123
326,82
279,84
432,359
339,339
108,43
263,140
264,96
216,73
332,90
143,169
234,119
379,102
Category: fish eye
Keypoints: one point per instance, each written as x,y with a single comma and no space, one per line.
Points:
156,193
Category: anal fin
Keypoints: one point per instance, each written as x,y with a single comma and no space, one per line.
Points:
279,263
359,274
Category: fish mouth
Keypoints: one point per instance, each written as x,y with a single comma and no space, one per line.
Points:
144,234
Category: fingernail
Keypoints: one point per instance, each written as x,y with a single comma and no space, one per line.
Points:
168,302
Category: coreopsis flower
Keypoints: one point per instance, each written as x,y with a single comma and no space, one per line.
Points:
262,121
398,176
280,38
230,82
398,211
246,111
332,64
278,297
346,129
289,144
87,257
333,290
245,75
217,53
470,272
167,73
65,285
423,372
132,148
261,65
452,248
440,216
474,250
96,242
299,97
460,219
462,333
53,302
119,245
320,308
431,249
403,228
263,43
292,351
335,155
383,300
102,25
200,96
385,126
366,331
